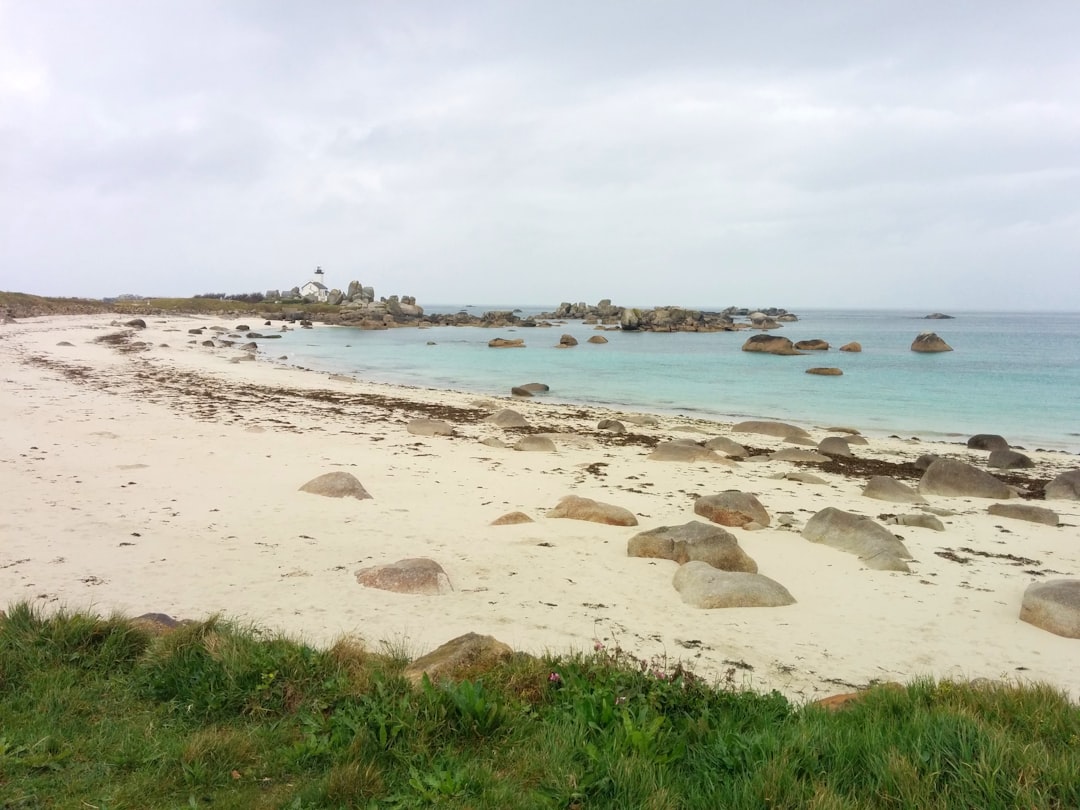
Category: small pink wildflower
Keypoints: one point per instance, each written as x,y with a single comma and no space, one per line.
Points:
555,677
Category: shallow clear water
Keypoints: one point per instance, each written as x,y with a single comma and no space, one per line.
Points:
1016,374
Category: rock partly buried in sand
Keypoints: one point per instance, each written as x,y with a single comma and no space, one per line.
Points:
854,347
702,586
732,508
692,541
68,343
920,520
575,507
884,488
805,441
780,430
835,446
506,418
1066,487
826,372
949,477
512,519
687,453
598,339
729,447
1023,511
770,344
506,343
430,427
929,342
1009,460
875,545
987,441
337,485
465,657
1054,606
535,444
611,426
802,456
491,441
419,575
804,478
136,323
642,419
813,345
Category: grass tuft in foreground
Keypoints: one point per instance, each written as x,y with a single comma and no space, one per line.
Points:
103,712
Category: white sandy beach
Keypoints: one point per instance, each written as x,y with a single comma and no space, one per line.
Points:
168,480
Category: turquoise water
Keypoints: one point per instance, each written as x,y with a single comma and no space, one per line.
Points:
1017,374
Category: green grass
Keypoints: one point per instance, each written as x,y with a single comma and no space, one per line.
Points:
23,305
101,712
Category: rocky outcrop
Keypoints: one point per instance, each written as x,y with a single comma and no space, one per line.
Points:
507,418
955,478
702,586
884,488
1054,606
575,507
430,427
1009,460
825,372
417,575
854,347
337,485
780,430
1024,511
987,441
465,657
1065,487
692,541
875,545
928,342
687,453
770,344
813,345
732,508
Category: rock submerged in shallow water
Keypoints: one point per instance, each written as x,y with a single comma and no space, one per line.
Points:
1053,606
566,342
825,372
702,586
597,339
416,575
814,345
575,507
692,541
854,347
948,477
337,485
929,342
770,344
506,343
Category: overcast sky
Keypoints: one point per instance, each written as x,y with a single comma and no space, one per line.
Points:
851,154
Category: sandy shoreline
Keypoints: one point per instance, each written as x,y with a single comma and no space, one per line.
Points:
167,480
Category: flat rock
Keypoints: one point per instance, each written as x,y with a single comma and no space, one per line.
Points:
467,656
611,426
430,427
770,344
920,520
987,441
884,488
512,519
805,478
507,418
732,508
780,430
827,371
875,545
955,478
928,342
416,575
726,446
575,507
835,446
535,444
1024,511
1054,606
702,586
337,485
687,453
692,541
804,456
1009,460
1065,487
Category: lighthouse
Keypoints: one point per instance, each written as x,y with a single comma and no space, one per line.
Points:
318,276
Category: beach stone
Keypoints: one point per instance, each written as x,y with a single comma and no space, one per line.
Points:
918,520
198,331
949,477
687,453
1065,487
732,508
692,541
804,456
925,460
536,388
805,478
875,545
642,419
512,519
825,372
136,323
780,430
466,656
535,444
813,345
855,347
506,418
430,427
1023,511
598,339
417,575
337,485
506,343
927,342
1054,606
575,507
702,586
729,447
834,446
804,441
611,426
491,441
884,488
1009,460
566,341
987,441
69,343
857,439
770,344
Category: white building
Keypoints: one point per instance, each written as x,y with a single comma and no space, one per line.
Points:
315,288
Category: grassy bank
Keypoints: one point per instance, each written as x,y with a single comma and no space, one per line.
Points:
23,305
107,713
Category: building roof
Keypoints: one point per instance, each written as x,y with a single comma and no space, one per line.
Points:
318,284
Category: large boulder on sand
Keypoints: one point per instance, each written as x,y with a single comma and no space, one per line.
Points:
418,575
537,444
1065,487
780,430
687,453
467,656
611,426
575,507
928,342
702,586
1009,460
732,508
987,441
875,545
770,344
1053,605
336,485
884,488
730,448
947,476
506,418
692,541
834,446
430,427
1025,511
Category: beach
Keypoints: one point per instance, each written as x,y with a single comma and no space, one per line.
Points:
165,478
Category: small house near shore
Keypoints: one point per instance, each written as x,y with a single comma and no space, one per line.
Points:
315,288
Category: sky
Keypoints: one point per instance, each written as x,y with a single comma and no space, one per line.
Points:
841,153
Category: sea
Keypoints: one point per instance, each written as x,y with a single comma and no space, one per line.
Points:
1015,374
